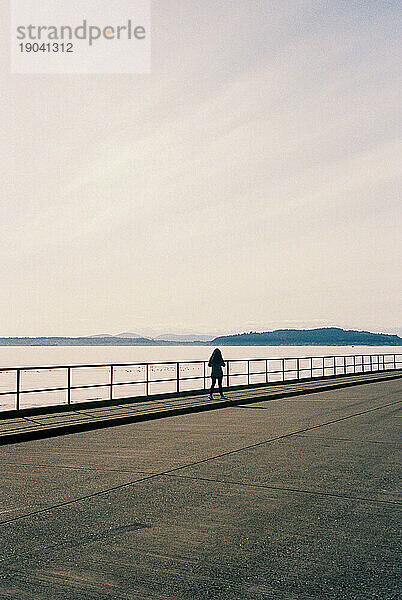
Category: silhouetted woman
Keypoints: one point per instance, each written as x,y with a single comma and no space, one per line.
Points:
216,362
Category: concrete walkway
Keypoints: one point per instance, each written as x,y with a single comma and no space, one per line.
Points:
295,498
33,425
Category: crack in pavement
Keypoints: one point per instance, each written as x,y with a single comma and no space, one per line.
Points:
74,468
355,441
284,489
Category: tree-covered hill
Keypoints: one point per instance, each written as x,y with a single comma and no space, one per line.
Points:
325,336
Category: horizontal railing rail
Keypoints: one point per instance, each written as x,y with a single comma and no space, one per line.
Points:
179,377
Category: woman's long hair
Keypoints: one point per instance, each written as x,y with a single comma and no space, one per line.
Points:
216,356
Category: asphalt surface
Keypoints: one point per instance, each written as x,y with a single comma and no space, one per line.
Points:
290,498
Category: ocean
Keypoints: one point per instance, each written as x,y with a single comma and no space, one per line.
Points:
21,356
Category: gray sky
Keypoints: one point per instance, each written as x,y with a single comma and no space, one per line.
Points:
250,182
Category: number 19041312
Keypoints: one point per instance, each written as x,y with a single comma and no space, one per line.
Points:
49,47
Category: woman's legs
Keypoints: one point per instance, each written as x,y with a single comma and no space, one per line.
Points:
211,391
220,379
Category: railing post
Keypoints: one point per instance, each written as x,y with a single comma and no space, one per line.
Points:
311,367
17,390
248,372
298,368
344,365
147,379
177,377
323,366
266,370
69,385
204,375
227,372
354,364
371,363
111,382
283,369
394,361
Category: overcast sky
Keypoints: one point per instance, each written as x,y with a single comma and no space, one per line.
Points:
250,182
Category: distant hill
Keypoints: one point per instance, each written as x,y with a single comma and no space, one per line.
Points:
325,336
128,334
190,337
101,335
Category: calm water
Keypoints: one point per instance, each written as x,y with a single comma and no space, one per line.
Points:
129,380
20,356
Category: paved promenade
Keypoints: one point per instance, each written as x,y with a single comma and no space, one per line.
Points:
293,497
43,422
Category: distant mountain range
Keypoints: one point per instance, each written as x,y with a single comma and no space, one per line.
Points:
325,336
77,341
190,337
168,337
127,334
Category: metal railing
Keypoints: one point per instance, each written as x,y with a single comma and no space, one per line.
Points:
171,377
